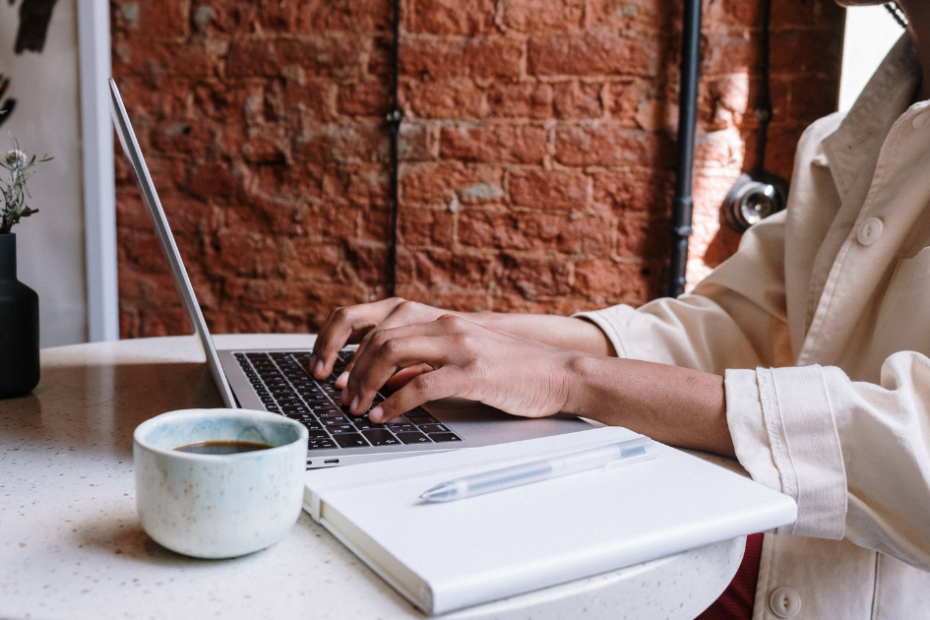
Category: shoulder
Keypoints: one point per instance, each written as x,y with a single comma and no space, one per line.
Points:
816,133
821,128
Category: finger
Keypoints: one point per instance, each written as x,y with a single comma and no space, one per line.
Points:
403,313
443,383
405,375
342,324
389,351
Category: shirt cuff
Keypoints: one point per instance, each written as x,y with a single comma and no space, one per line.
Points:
611,320
783,429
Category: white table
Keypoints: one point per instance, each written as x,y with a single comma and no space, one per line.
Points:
71,546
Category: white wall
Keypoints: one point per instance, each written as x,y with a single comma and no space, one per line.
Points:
65,253
50,244
870,32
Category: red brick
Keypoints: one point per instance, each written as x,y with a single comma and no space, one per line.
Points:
636,189
548,189
364,185
642,238
649,18
452,17
529,100
533,277
544,15
605,144
157,19
413,142
443,270
592,55
317,57
364,99
607,281
286,153
438,58
807,50
809,99
425,227
452,98
346,15
211,180
316,98
724,52
534,232
344,143
439,184
493,144
577,100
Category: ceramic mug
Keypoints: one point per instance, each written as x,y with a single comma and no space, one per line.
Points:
219,506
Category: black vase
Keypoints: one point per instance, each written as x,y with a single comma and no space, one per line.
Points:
19,326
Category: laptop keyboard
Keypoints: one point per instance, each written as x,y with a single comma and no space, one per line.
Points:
284,386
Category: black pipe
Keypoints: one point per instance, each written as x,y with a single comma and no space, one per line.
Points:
394,118
682,204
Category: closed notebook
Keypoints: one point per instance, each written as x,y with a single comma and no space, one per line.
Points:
445,556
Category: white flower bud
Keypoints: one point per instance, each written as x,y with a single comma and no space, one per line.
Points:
16,159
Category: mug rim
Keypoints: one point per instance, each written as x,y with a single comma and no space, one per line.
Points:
302,433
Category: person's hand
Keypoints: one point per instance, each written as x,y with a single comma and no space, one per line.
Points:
455,357
353,324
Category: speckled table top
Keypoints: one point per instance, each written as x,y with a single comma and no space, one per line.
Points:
71,545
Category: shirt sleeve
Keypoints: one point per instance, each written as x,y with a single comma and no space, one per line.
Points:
735,318
854,455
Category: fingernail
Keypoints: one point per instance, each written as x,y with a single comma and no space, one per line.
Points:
376,414
318,369
354,404
342,379
344,395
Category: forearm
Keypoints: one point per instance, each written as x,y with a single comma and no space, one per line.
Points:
554,330
677,406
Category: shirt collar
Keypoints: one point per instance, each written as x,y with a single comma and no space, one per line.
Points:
853,149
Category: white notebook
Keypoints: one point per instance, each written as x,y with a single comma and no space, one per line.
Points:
445,556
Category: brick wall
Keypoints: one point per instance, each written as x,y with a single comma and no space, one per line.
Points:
537,148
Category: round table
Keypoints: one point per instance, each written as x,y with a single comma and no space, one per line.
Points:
72,547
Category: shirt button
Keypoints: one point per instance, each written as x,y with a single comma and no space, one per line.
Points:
785,603
870,231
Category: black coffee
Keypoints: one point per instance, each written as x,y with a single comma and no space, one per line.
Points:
223,447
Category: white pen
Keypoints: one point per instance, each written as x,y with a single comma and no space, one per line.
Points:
615,454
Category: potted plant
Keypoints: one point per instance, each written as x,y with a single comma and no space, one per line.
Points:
19,304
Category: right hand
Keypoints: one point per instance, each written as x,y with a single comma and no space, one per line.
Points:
353,324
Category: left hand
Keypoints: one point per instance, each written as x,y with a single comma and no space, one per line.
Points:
459,358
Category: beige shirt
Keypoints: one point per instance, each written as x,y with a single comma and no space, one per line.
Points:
821,325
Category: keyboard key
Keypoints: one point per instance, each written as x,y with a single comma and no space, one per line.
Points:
380,437
318,434
401,428
333,420
433,428
341,429
419,417
365,424
409,438
320,444
444,437
351,441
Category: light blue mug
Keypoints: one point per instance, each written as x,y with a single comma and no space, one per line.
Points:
219,506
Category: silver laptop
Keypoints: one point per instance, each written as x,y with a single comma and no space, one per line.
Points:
278,380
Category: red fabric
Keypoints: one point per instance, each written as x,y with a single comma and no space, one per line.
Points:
736,601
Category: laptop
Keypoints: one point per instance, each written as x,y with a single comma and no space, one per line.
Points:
278,380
